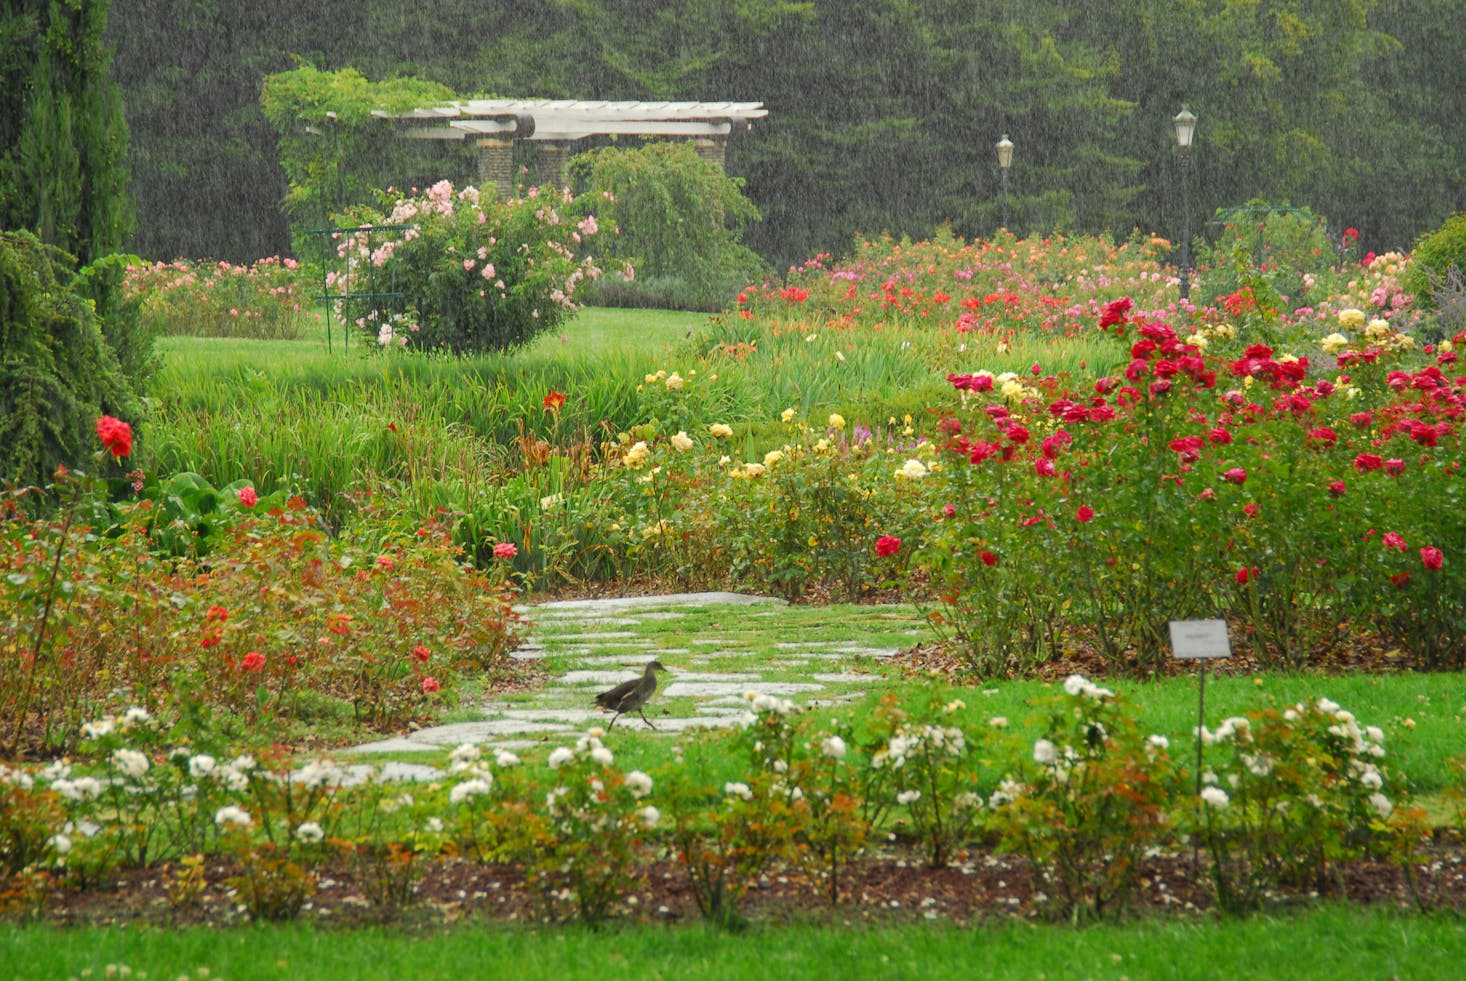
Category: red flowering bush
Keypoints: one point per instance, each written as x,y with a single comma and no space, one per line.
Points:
277,610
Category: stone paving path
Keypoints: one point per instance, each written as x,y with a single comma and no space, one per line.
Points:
594,644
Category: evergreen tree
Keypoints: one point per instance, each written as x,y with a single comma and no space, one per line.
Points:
63,170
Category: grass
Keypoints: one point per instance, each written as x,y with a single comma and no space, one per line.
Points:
595,330
1327,942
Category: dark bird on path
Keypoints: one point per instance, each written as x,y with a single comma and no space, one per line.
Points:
630,696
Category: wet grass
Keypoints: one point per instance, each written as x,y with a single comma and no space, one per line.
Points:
1324,943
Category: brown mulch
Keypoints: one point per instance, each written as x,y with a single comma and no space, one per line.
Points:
893,887
946,658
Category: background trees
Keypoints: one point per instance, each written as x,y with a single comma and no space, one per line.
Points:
882,114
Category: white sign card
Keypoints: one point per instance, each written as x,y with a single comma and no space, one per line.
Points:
1195,639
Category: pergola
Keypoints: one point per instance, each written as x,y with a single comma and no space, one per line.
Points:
553,126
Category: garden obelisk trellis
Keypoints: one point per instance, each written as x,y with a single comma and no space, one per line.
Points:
554,126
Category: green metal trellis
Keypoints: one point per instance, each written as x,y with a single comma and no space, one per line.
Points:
380,298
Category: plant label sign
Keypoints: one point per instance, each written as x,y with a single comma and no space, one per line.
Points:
1193,640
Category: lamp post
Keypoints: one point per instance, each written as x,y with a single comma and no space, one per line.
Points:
1005,160
1185,123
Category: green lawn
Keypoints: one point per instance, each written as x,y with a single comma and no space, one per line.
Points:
594,329
1329,943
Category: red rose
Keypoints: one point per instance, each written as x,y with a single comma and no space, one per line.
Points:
254,662
887,545
1085,514
115,435
421,654
1235,476
1365,462
248,497
988,558
430,685
1431,557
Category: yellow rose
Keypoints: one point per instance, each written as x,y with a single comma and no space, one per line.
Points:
681,442
787,415
837,421
637,455
1351,319
913,470
674,382
720,430
1334,343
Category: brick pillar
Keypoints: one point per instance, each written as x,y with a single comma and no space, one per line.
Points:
496,165
551,157
713,148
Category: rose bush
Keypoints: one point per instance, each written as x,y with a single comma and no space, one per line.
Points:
477,274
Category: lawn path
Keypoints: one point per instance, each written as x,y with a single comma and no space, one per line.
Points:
716,646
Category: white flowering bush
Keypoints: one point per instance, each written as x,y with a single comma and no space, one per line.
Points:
810,778
933,774
726,832
1089,800
1287,795
584,842
477,274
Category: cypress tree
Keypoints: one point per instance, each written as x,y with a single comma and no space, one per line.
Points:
63,168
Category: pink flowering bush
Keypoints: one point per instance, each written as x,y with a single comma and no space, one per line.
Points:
477,274
268,299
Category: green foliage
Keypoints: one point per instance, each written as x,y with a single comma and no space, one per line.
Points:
1288,796
679,218
586,843
477,275
63,172
1434,256
883,115
330,150
131,337
277,612
1089,802
1288,249
58,373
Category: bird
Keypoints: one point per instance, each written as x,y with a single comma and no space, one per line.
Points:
630,696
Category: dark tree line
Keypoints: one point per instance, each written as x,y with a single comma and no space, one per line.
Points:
883,114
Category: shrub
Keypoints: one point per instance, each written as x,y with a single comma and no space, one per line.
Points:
263,300
476,274
1283,251
1289,795
585,844
1434,256
59,373
1089,802
680,218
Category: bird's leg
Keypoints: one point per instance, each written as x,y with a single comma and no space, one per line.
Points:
612,724
645,719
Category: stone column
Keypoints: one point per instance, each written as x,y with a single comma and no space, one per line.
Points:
551,158
496,165
713,148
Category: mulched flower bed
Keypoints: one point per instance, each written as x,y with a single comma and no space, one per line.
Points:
889,888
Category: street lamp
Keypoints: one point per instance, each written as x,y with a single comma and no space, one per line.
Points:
1005,160
1185,123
